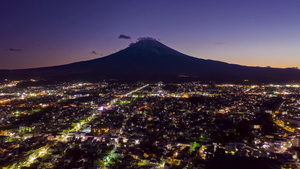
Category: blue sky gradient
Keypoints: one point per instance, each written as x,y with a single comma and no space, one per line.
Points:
37,33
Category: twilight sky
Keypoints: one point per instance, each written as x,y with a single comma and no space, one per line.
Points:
37,33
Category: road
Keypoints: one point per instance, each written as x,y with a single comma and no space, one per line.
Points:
40,152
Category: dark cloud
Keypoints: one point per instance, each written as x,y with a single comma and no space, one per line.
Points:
220,43
94,53
14,50
124,37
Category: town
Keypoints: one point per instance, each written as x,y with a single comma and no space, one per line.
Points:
110,124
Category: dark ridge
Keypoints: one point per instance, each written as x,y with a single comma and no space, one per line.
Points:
150,60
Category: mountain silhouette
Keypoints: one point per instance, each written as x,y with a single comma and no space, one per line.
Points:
149,59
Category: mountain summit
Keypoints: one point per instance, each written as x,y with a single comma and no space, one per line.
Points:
149,59
151,45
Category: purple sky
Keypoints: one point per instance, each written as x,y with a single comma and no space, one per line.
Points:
37,33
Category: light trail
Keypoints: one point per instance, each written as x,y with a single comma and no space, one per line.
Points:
112,102
43,150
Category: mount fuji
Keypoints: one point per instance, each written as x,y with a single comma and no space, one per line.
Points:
149,59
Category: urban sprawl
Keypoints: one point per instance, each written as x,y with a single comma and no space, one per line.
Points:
109,124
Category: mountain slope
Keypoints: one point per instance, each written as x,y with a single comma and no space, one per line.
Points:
149,59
